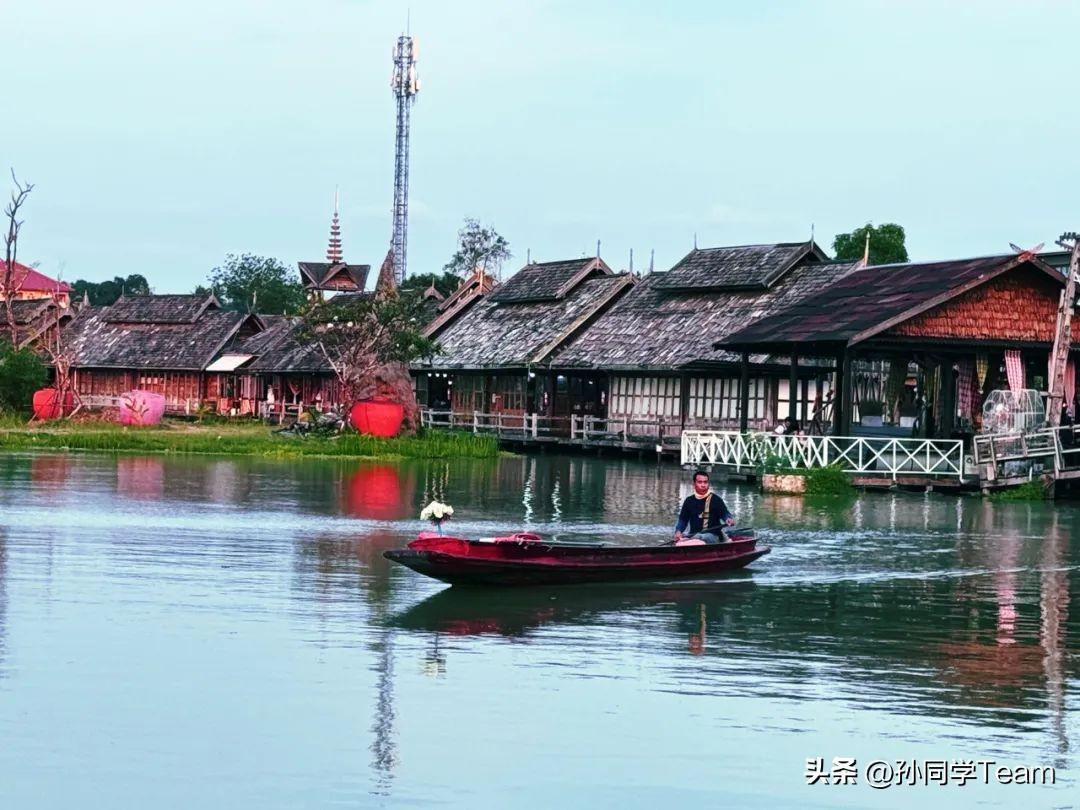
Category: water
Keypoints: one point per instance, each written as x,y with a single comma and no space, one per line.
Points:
226,633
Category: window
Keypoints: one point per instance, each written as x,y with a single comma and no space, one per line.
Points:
640,397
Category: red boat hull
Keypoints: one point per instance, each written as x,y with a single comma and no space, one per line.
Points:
534,562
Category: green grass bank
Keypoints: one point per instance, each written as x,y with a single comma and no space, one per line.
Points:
232,438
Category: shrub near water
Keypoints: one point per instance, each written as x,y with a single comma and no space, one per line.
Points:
831,480
250,439
21,374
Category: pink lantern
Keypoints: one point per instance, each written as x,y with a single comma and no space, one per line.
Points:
141,408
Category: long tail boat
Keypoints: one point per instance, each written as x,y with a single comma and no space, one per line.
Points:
527,559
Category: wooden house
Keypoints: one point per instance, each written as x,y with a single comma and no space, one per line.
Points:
37,318
160,343
957,320
654,348
496,349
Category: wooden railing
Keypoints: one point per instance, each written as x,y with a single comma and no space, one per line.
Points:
573,428
862,455
1057,448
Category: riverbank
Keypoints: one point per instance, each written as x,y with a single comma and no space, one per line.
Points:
232,438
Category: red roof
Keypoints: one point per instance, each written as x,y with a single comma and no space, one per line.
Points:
27,279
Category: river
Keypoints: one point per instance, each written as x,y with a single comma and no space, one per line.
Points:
204,632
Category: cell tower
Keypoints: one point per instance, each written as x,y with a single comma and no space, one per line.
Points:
405,84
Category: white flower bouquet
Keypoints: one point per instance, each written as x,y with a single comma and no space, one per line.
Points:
436,512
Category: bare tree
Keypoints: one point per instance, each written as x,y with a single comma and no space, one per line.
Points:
12,282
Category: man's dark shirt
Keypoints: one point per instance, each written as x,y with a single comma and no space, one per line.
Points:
690,516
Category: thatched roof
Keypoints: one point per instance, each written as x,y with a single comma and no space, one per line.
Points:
491,334
741,267
162,332
548,281
657,328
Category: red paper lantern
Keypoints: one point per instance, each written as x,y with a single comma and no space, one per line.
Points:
47,404
377,417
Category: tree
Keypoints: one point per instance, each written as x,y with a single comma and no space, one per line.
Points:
886,244
445,283
361,335
104,293
21,374
478,248
10,282
250,283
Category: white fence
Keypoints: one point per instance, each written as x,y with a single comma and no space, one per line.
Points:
573,428
863,455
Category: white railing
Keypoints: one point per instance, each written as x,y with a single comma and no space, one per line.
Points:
864,455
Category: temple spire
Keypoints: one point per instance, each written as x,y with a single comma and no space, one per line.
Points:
333,250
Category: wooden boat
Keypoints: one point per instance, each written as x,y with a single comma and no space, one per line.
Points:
527,559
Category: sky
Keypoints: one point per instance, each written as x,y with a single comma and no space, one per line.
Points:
163,135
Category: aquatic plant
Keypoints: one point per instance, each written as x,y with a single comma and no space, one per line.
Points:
1033,490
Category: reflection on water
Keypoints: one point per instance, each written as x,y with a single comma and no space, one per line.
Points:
236,619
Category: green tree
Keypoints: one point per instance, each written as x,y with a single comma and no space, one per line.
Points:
103,293
445,283
21,374
886,244
478,247
250,283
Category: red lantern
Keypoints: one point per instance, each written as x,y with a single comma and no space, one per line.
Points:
47,404
377,417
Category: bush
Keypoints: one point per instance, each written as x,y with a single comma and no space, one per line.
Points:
831,480
21,374
1033,490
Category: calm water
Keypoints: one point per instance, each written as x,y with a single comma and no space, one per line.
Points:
223,633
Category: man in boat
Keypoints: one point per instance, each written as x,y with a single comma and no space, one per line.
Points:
703,514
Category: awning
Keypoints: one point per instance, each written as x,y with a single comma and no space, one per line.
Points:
229,362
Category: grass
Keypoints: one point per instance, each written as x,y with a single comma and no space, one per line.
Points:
232,438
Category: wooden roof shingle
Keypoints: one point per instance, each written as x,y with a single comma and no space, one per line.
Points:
491,334
319,275
741,267
872,299
160,309
97,340
654,328
548,281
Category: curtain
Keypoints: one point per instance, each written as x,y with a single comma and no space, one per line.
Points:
982,366
1014,368
965,385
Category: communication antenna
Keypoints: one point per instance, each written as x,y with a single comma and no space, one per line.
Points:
406,84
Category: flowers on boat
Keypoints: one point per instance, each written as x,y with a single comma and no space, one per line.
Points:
436,512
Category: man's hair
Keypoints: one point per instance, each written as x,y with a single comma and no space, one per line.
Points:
700,472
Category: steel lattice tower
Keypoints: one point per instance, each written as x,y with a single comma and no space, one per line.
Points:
405,85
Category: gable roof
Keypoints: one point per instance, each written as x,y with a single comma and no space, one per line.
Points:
317,275
491,335
161,309
471,290
872,300
279,349
97,341
548,281
27,279
652,328
738,267
33,316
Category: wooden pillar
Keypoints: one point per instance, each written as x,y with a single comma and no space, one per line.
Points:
744,391
793,386
684,398
805,415
842,396
948,399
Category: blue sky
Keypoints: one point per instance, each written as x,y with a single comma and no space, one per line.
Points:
163,135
